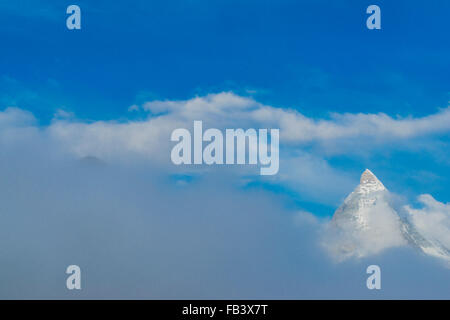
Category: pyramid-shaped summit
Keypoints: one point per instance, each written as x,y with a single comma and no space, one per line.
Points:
367,223
367,177
360,204
370,183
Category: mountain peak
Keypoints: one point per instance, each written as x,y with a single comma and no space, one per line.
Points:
367,223
367,176
370,182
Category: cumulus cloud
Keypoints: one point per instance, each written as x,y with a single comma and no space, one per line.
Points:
433,220
228,110
149,139
298,128
347,238
14,117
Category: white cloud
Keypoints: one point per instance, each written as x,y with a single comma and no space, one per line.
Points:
14,117
297,128
313,177
304,171
302,218
227,110
350,240
63,114
433,220
133,107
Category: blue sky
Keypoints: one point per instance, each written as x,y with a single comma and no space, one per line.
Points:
314,57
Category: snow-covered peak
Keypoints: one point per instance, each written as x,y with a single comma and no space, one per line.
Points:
362,203
370,183
366,223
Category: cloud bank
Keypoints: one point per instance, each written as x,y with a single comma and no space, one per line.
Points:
228,110
432,220
350,241
305,141
104,195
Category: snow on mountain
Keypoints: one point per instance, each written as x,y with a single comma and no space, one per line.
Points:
429,228
366,223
